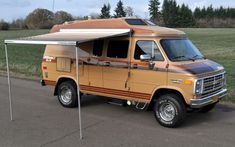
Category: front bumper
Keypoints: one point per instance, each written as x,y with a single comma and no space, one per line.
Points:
198,103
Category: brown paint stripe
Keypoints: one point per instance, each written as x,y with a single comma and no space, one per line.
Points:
108,91
133,63
117,92
48,82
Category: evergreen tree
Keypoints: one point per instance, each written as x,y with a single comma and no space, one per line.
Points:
154,10
197,13
170,12
203,12
105,11
210,12
165,11
119,11
230,13
221,12
186,17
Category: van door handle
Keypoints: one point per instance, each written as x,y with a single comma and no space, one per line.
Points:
106,63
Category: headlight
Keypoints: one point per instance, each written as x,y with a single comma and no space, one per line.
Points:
198,87
225,80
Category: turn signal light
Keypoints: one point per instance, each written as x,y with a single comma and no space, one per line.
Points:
44,68
188,82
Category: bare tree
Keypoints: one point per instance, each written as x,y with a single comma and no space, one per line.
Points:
129,11
62,16
40,19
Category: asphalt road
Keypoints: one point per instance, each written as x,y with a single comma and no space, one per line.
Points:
39,120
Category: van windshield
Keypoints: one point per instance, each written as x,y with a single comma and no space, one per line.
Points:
181,50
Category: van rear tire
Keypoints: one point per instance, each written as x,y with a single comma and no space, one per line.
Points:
67,94
169,110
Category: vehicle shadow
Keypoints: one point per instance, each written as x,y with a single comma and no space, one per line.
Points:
220,112
90,100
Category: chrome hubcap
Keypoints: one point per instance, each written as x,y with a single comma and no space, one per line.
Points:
167,112
66,95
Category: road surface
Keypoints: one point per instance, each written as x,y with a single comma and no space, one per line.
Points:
39,120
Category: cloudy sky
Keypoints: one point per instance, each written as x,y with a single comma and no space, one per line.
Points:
12,9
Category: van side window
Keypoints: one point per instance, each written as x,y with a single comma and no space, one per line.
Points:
98,47
118,48
145,47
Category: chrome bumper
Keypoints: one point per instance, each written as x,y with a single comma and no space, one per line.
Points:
198,103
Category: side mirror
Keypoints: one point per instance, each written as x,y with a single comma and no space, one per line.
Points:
145,57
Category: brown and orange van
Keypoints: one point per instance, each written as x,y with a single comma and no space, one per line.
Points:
155,68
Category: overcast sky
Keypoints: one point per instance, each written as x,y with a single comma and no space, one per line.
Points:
12,9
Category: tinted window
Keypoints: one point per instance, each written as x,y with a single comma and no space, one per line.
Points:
145,47
135,22
180,50
118,48
98,47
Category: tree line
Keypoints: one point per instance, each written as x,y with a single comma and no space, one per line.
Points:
170,14
38,19
174,15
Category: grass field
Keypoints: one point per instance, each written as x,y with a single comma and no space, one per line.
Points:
215,44
25,59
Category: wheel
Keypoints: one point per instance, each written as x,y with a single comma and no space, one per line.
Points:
67,94
169,110
207,108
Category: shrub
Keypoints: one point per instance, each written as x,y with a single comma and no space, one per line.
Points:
4,25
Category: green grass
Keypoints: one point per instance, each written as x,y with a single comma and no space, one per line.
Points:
24,59
215,44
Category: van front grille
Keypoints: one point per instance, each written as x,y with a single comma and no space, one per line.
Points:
213,84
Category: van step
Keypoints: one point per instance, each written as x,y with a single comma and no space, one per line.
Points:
117,102
141,106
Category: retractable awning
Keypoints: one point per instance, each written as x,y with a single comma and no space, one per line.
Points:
65,37
70,37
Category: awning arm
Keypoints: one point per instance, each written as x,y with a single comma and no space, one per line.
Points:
9,83
78,91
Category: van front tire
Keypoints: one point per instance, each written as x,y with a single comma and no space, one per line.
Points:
169,110
67,94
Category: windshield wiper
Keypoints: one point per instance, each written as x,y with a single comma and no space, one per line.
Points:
178,57
195,57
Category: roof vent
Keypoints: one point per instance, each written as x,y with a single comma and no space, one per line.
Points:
136,22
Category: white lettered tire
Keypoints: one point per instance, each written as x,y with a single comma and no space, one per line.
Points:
169,110
67,94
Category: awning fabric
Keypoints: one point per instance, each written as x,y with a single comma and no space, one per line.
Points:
70,37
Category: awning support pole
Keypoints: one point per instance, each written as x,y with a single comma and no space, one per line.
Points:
9,83
78,92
